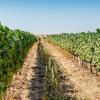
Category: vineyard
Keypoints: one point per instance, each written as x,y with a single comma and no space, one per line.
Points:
54,67
84,46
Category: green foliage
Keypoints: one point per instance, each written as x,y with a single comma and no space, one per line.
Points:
51,86
14,45
84,45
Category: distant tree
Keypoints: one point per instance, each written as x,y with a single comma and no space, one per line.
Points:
98,30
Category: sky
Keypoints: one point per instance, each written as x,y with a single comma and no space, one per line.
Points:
51,16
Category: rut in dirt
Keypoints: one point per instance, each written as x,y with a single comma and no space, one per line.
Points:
85,84
27,83
36,86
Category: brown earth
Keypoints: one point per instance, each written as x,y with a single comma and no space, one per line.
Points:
26,83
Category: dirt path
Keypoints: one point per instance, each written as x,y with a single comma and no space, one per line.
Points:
86,84
26,84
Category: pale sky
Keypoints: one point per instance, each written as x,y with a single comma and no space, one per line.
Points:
51,16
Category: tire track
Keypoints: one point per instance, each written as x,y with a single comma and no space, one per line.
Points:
26,84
